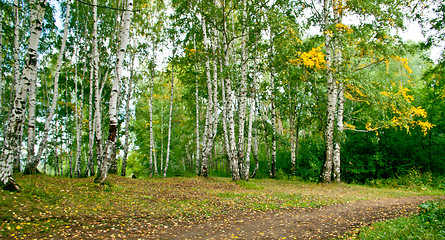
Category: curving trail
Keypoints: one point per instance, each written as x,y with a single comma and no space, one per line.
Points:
318,223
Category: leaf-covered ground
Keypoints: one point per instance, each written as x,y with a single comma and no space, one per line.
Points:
179,208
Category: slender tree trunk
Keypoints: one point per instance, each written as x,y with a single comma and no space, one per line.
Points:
272,103
197,166
152,148
208,128
224,118
17,115
91,129
32,123
292,138
215,85
16,164
127,119
170,117
242,100
326,173
1,63
338,140
340,98
256,113
229,106
98,94
114,104
78,121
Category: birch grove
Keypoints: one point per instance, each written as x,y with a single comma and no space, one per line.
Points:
251,93
16,118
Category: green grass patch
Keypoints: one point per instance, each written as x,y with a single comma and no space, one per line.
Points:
429,224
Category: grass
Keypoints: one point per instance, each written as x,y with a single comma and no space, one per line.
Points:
48,204
429,224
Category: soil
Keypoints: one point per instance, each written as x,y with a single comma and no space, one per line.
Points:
309,223
318,223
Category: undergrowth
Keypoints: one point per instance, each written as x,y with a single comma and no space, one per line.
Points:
414,179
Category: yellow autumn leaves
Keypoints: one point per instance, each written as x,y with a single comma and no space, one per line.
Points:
312,59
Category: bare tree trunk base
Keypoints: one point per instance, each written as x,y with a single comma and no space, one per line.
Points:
11,186
31,169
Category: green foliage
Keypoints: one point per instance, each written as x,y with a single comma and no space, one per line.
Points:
414,180
429,224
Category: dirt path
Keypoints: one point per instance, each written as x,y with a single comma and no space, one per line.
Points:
316,223
319,223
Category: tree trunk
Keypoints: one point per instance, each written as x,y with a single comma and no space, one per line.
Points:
272,103
170,117
114,104
242,100
340,98
16,164
1,63
152,149
229,105
326,173
91,130
78,120
292,139
127,119
14,125
255,113
32,125
224,118
208,128
98,94
197,119
338,140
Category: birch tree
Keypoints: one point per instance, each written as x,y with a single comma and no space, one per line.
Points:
331,94
170,115
97,92
129,89
208,127
14,125
111,142
33,160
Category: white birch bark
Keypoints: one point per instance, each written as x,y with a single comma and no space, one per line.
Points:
340,128
32,121
1,62
272,103
14,125
91,129
340,98
127,119
326,173
242,99
97,94
78,122
229,105
224,113
16,76
255,113
197,119
152,148
215,85
170,118
208,128
114,104
33,162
